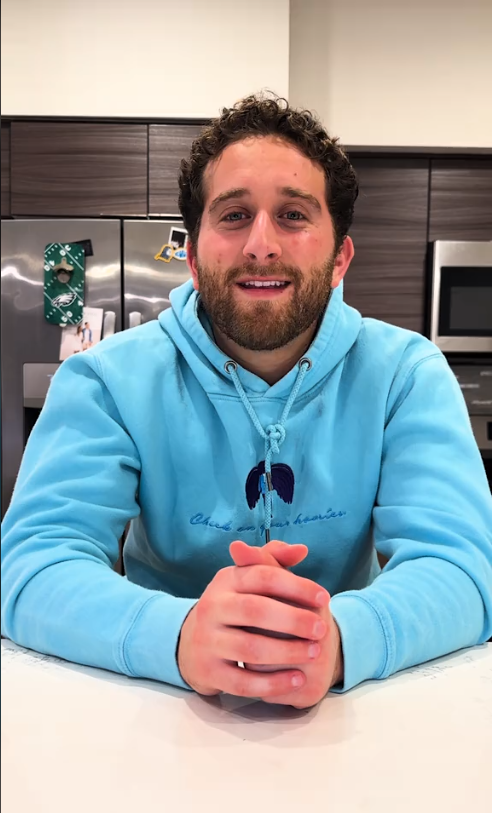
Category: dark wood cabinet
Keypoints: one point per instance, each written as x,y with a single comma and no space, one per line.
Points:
5,170
78,169
386,279
92,169
168,144
460,199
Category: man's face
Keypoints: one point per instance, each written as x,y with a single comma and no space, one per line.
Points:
265,260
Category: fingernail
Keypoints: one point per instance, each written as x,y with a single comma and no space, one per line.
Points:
322,599
314,650
297,681
319,629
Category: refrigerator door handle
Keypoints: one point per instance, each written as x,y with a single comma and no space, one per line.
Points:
135,319
109,324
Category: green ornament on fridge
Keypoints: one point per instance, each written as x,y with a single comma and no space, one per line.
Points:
64,280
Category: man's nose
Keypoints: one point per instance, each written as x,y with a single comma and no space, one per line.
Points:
262,244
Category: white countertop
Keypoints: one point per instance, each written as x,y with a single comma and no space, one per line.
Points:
79,739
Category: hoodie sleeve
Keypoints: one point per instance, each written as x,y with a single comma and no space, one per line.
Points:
433,521
76,491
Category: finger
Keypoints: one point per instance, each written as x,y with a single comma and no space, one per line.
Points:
276,582
240,682
244,555
247,610
287,555
275,552
233,644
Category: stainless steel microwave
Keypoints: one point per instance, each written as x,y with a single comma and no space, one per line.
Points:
461,296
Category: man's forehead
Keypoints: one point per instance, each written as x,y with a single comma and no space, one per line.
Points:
283,163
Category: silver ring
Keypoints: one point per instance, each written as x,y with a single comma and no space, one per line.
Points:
307,361
230,365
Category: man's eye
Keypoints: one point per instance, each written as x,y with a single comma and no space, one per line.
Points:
294,215
234,217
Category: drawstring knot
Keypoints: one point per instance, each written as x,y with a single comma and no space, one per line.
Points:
273,435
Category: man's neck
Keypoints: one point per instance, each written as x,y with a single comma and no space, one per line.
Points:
270,365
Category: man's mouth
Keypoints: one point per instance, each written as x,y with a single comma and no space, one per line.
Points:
264,284
263,288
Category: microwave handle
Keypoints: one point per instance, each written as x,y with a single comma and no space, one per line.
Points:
109,324
135,319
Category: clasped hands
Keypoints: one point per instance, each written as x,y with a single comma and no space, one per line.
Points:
259,592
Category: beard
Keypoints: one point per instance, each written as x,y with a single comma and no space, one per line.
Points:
265,324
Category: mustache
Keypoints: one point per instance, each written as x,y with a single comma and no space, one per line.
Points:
288,272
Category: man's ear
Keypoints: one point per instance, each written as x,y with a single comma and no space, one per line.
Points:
342,261
192,263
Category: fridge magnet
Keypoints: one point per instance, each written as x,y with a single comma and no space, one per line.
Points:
165,254
77,338
64,282
87,246
175,248
178,239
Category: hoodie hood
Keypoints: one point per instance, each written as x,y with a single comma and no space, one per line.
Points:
337,333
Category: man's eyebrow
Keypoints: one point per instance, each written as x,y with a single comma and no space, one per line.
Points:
230,194
292,192
241,191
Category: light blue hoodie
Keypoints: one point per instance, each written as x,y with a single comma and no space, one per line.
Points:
148,426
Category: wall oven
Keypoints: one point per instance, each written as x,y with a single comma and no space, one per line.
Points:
460,324
461,296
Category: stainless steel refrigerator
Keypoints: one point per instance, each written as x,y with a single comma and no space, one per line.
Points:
130,268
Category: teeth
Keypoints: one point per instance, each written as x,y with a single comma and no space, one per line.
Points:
258,284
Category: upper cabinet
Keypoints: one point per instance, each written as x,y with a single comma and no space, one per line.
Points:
168,144
78,169
5,170
461,199
386,279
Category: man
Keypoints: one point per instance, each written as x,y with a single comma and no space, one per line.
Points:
258,404
86,336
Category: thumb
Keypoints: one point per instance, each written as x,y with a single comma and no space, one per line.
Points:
286,555
275,554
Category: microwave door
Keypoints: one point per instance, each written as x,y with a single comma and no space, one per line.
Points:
461,308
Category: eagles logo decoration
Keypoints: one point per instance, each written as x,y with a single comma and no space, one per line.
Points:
63,300
64,283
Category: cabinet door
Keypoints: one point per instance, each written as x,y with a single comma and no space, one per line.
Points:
386,279
5,170
79,169
461,199
168,144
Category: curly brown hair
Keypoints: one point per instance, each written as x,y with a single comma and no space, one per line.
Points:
262,116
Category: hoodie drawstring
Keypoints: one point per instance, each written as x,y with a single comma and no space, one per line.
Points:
273,435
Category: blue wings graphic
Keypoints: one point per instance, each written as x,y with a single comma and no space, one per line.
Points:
282,480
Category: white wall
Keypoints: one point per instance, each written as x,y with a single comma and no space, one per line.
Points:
378,72
397,73
145,58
